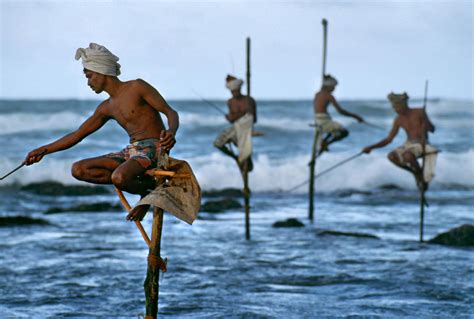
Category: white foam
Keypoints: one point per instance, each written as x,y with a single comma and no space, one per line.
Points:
27,122
216,171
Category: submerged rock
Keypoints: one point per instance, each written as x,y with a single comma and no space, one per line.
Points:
21,221
94,207
226,192
459,236
340,233
58,189
290,222
220,205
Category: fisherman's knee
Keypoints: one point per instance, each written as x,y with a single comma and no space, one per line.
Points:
393,157
408,157
118,179
78,170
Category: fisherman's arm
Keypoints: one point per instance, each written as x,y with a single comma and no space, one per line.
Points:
154,98
385,141
92,124
344,112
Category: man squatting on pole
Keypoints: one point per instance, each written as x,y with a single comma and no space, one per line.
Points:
135,105
416,124
333,130
242,114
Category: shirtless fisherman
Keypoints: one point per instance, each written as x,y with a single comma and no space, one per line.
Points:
135,105
334,131
242,114
416,124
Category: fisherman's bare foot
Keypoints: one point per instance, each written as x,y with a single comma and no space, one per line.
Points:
324,147
138,213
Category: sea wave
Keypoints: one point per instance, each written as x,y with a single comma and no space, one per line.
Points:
215,171
29,122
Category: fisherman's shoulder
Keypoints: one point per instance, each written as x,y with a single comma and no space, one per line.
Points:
104,107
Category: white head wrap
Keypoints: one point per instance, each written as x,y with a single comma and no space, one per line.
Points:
98,59
235,84
329,81
398,98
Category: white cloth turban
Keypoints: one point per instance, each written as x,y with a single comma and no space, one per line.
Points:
329,81
98,59
234,84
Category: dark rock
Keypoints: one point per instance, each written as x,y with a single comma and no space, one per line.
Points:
339,233
58,189
290,222
226,192
94,207
459,236
21,221
220,205
390,187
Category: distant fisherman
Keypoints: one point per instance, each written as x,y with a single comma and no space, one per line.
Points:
136,106
416,124
242,114
333,130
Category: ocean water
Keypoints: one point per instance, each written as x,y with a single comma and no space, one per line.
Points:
93,264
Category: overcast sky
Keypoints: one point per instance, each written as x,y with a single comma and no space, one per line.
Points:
374,47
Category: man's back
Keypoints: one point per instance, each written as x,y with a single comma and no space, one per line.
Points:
321,101
239,106
415,123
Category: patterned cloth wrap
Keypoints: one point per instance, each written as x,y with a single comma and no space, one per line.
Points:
146,152
325,123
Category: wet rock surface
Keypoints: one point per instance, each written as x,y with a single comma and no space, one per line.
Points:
290,222
459,236
93,208
8,221
58,189
226,192
219,206
339,233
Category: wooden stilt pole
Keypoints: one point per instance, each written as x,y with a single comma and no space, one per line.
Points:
245,169
139,225
422,191
312,169
312,163
155,264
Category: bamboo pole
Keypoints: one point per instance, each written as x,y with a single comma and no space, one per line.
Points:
312,163
312,168
155,264
245,168
422,190
127,206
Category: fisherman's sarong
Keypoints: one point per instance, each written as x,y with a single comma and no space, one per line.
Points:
240,133
325,123
146,152
415,148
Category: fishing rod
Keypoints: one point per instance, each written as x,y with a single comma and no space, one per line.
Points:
373,125
327,171
209,103
20,166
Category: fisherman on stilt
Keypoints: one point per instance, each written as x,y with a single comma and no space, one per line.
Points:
242,114
333,130
135,105
417,125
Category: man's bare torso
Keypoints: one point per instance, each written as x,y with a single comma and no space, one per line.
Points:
415,124
321,102
139,119
238,107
